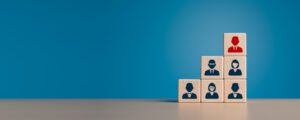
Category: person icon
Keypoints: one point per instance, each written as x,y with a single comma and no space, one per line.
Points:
189,94
212,71
235,71
235,95
212,94
235,48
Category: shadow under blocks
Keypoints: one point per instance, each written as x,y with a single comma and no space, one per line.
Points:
223,78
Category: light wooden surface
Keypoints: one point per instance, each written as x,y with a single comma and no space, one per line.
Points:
127,109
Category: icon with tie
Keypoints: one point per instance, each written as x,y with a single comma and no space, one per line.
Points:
212,71
235,48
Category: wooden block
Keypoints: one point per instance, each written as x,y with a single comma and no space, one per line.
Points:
189,90
212,67
212,90
235,67
235,90
235,44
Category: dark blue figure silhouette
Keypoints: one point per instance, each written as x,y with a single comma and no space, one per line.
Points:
235,71
212,71
189,95
212,94
235,95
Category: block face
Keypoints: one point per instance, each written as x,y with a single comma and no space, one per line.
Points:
212,90
235,67
189,90
235,44
235,90
212,67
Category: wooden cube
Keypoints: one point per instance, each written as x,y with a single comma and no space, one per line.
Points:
189,90
235,90
235,67
235,44
212,67
212,90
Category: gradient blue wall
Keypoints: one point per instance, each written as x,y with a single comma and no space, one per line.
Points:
138,49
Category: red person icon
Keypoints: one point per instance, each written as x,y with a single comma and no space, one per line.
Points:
235,48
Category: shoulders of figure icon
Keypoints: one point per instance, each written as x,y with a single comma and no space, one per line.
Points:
239,71
230,49
193,95
208,72
185,95
215,72
239,95
235,49
240,49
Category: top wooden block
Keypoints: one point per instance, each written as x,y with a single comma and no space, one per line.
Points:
235,44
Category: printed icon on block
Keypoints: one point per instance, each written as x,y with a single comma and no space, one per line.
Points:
212,94
235,44
212,90
235,67
189,90
212,67
235,48
212,70
235,70
235,94
235,90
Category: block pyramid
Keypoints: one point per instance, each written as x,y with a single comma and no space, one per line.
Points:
223,78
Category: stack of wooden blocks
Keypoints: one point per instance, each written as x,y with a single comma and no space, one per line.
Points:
223,78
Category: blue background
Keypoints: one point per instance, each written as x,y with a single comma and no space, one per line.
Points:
138,49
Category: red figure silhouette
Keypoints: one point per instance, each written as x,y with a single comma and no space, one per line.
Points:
235,49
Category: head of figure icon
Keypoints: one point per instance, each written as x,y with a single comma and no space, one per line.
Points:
211,87
189,87
235,64
212,64
235,40
235,87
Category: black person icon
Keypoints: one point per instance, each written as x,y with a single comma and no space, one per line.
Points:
235,95
235,71
189,95
212,71
212,94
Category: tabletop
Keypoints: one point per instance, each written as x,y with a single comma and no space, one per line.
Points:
146,109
